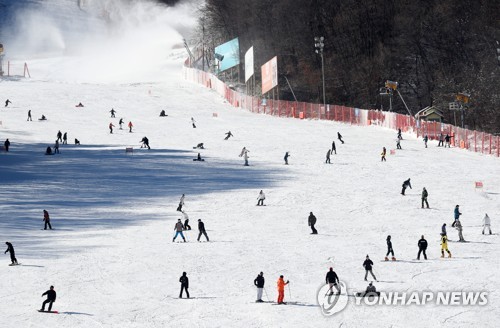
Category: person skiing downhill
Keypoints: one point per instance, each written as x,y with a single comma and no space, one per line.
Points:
441,140
259,283
406,184
328,156
29,116
384,152
10,249
286,158
56,147
59,136
458,226
178,230
120,122
184,280
368,264
111,126
244,153
46,219
112,111
422,247
51,298
389,249
444,245
186,221
181,203
228,134
426,139
334,148
399,134
193,123
6,145
281,289
312,221
145,143
260,198
201,229
398,144
424,197
7,102
456,214
65,138
130,126
486,223
332,280
339,136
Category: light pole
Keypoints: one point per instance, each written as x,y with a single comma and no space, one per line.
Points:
319,45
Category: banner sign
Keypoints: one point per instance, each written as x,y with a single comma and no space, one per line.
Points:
249,64
228,54
269,73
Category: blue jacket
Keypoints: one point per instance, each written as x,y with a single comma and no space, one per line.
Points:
457,213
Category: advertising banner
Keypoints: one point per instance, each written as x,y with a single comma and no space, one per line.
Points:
228,54
269,73
249,64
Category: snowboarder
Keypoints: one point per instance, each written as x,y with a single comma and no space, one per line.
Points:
43,118
181,203
29,116
201,229
328,156
112,111
384,152
228,134
79,105
389,249
56,147
51,298
259,283
46,219
339,136
368,264
193,122
186,221
130,126
199,146
244,153
447,141
444,245
334,149
457,214
145,143
48,151
260,198
399,134
7,102
486,223
111,126
65,138
369,292
59,136
441,140
6,144
312,221
281,289
406,184
77,142
10,249
198,158
332,280
426,138
458,226
178,230
424,197
422,247
120,122
286,158
162,113
398,144
184,280
443,229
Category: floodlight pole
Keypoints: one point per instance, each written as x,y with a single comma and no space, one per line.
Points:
319,45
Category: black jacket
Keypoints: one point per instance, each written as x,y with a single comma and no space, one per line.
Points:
51,295
312,219
201,226
259,281
331,277
407,183
368,264
184,280
389,244
10,249
422,244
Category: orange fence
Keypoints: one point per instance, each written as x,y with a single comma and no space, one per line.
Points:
475,141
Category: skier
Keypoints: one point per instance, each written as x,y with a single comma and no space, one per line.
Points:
186,221
29,116
384,152
181,203
332,280
399,134
77,142
59,136
281,289
145,143
259,283
244,153
51,298
130,126
201,229
178,230
56,147
458,226
422,247
334,149
260,198
367,264
424,198
457,214
486,223
406,184
443,229
389,249
111,128
286,158
120,122
46,219
447,141
328,156
65,138
312,221
6,145
193,122
444,245
426,138
441,140
10,249
184,280
7,102
398,144
339,136
112,111
228,134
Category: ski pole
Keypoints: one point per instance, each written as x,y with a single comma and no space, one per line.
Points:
266,294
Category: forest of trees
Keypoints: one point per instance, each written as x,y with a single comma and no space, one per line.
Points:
433,49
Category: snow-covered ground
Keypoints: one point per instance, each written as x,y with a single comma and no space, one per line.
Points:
111,257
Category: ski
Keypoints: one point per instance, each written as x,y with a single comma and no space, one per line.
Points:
48,311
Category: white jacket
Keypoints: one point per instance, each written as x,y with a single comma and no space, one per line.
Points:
261,196
486,220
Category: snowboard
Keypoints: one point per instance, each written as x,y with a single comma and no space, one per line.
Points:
14,264
47,311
